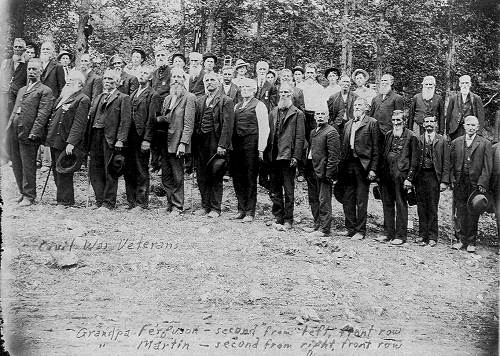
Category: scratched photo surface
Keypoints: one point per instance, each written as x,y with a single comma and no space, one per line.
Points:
77,281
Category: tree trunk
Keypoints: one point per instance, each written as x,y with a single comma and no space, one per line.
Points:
290,45
380,53
82,45
17,9
210,31
182,31
450,61
346,56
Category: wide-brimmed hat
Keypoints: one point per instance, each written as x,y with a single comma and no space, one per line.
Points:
217,166
63,53
298,68
362,71
339,191
329,70
113,57
180,55
116,165
240,63
478,203
70,163
141,52
210,55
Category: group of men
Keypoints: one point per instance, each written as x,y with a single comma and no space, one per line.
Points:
278,131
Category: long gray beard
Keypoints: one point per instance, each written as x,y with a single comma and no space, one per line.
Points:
427,94
284,103
176,89
384,90
397,131
194,72
67,91
465,91
44,58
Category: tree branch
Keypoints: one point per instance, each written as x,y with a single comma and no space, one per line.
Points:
489,101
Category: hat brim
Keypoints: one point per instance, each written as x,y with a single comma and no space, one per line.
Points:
114,171
329,70
300,69
179,55
339,192
76,160
65,54
213,160
206,57
362,71
141,52
241,65
470,207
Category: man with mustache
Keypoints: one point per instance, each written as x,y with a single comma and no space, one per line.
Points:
25,131
397,169
426,104
341,105
93,82
128,83
109,123
66,131
385,103
432,176
228,87
196,74
178,112
213,130
359,162
283,151
13,76
462,104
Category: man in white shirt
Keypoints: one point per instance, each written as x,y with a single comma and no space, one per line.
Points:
313,93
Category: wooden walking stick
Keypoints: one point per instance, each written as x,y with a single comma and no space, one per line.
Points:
88,182
46,180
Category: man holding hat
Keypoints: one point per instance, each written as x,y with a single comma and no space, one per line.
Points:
213,130
128,83
332,75
66,131
360,77
196,73
241,68
471,163
109,123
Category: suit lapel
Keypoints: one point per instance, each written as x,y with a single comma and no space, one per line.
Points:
113,97
475,143
48,69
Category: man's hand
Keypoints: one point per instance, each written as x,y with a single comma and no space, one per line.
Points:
293,162
69,149
371,176
481,189
145,146
221,151
261,155
181,149
407,184
119,146
443,187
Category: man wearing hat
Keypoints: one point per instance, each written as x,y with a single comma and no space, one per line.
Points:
228,87
426,104
471,163
196,73
283,152
25,131
385,103
177,114
64,58
397,172
341,105
332,75
66,131
358,167
266,91
138,57
432,176
109,123
241,68
209,61
93,82
213,130
298,75
360,77
128,83
144,102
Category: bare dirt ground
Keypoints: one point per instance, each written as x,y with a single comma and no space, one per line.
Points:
78,283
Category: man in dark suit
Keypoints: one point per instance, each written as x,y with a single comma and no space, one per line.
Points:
53,72
266,92
13,75
178,113
426,104
432,176
26,130
128,83
286,76
196,73
283,151
359,162
341,105
144,102
228,87
471,163
109,123
93,83
66,131
463,104
397,170
495,182
384,104
213,130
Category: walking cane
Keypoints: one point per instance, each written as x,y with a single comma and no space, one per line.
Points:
88,182
191,193
46,181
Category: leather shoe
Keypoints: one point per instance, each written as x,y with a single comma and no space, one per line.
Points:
471,248
432,243
357,236
248,218
287,225
25,202
102,209
397,242
17,198
238,216
422,243
457,246
419,239
213,214
200,212
347,234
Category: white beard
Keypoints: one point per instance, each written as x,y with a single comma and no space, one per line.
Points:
397,131
194,72
176,89
384,89
465,92
284,103
427,94
67,91
44,58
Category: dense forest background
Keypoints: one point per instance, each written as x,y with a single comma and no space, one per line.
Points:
408,38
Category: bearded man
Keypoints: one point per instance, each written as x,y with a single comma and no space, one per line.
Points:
286,76
426,104
196,74
385,103
266,91
128,83
463,104
93,83
13,75
283,152
66,131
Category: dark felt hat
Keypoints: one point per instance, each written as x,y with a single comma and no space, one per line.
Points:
217,166
116,165
329,70
339,191
210,55
141,52
298,68
180,55
478,203
70,163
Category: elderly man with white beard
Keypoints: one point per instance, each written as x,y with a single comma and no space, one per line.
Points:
177,118
66,131
385,103
462,104
196,74
283,152
286,76
426,104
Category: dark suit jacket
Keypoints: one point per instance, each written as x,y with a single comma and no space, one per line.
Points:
160,82
408,159
68,122
481,160
440,157
180,120
325,147
419,111
53,76
128,83
454,112
144,110
366,143
223,114
291,138
234,93
268,94
495,175
298,99
34,108
93,85
337,108
196,85
117,117
13,79
382,110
